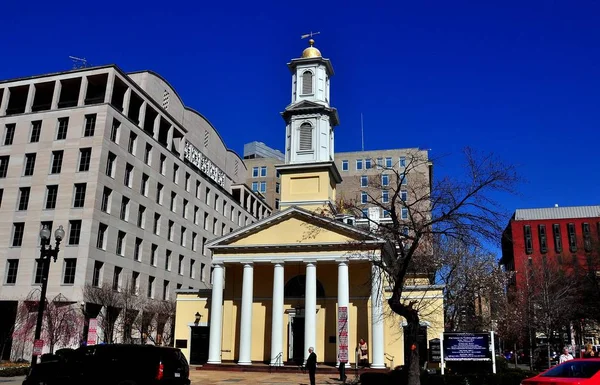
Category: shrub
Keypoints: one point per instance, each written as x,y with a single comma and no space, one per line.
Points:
14,371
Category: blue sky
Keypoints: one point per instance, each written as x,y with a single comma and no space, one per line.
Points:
519,78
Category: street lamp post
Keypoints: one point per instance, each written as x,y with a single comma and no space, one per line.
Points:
46,253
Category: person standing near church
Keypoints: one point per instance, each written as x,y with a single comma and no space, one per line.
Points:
311,365
363,353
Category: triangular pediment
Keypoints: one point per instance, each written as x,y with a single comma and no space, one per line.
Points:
307,106
299,229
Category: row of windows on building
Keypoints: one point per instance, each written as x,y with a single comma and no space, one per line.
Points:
261,172
68,272
366,164
557,237
70,268
365,198
62,126
133,284
262,187
385,180
56,162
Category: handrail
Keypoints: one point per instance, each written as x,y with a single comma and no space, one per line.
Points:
277,362
389,357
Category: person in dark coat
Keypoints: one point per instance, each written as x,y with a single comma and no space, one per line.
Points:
311,365
342,370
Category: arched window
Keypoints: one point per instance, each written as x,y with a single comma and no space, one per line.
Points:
296,288
307,83
305,137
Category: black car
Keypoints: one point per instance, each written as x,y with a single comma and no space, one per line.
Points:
113,364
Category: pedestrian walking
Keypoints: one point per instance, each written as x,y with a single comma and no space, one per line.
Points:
311,365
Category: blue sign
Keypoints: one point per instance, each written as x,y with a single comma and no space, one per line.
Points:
467,347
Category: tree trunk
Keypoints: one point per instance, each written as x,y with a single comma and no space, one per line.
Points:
411,362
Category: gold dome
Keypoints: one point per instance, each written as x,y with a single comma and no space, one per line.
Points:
311,51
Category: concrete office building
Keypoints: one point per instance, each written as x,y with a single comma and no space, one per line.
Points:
139,181
262,176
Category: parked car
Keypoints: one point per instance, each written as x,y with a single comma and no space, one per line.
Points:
577,371
113,365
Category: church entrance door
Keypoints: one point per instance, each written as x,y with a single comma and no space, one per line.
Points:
296,339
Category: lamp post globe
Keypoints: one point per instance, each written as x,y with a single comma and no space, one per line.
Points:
45,233
59,234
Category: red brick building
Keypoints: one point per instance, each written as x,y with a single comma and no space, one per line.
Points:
568,236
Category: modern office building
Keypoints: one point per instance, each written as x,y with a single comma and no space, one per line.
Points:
139,181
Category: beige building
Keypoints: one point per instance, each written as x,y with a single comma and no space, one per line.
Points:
362,172
139,181
262,176
302,278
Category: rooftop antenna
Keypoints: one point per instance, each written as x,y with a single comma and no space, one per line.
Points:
362,132
78,62
311,34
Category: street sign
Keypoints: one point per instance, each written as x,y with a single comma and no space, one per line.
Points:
467,347
435,350
92,332
38,347
343,334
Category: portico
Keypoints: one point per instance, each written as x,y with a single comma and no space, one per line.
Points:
290,283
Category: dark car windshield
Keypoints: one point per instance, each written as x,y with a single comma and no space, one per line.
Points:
574,369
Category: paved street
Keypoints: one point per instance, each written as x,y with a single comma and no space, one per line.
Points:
205,377
219,377
11,380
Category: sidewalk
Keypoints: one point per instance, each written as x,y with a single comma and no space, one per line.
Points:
201,377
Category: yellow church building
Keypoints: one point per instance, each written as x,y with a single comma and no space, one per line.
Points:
301,278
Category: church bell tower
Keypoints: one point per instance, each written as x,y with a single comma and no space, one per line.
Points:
309,175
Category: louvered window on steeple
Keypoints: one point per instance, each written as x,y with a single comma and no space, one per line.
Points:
307,80
305,137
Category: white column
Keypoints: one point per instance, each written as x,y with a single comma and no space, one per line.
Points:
4,102
82,91
56,95
126,101
246,316
343,300
110,85
216,316
310,308
30,97
377,320
277,316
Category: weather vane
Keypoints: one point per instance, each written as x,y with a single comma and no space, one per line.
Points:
311,34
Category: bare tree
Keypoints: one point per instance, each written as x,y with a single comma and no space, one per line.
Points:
551,294
474,285
460,207
61,322
110,301
155,322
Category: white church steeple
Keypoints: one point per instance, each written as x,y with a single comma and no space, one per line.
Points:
309,175
310,119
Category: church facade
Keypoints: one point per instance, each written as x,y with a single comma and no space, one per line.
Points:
301,278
